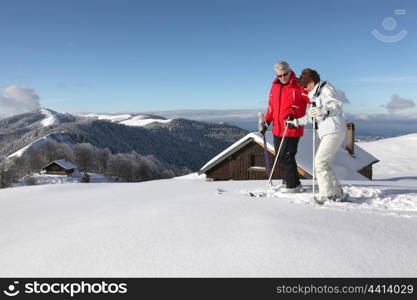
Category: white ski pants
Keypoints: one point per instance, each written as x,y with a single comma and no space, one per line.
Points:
326,153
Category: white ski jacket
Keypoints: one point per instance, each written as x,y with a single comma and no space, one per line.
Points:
328,98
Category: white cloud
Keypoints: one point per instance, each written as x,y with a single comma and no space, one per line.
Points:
382,117
16,99
399,103
386,79
342,96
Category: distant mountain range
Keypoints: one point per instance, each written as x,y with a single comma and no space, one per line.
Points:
368,126
178,143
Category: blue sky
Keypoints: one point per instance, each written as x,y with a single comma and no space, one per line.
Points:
113,56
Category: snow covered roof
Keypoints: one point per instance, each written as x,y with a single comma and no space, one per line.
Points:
346,166
63,163
398,156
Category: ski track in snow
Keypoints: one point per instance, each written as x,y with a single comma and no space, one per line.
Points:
382,200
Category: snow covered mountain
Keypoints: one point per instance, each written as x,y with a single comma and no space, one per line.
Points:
42,117
178,143
129,119
19,132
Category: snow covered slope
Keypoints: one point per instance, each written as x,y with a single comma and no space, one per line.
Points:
62,138
198,228
398,157
129,119
38,142
142,121
49,117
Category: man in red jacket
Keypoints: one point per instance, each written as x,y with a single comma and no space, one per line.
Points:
287,100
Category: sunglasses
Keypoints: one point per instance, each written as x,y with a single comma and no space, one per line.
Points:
283,75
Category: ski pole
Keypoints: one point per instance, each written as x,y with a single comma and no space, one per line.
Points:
314,154
276,157
266,155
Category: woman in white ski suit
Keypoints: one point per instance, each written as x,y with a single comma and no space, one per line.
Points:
331,130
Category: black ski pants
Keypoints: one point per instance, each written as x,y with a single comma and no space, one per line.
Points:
286,160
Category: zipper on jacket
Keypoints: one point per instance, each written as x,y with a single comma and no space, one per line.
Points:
279,108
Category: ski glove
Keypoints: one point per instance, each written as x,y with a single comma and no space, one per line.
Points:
315,112
294,123
262,127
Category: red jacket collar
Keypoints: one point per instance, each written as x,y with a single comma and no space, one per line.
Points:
293,79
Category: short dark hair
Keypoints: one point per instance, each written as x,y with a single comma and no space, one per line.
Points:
308,75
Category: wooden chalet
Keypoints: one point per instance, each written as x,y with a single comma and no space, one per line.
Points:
59,167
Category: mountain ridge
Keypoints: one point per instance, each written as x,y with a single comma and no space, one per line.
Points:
180,143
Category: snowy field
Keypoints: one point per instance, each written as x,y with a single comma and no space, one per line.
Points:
191,227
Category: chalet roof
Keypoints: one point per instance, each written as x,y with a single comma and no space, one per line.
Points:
63,163
346,166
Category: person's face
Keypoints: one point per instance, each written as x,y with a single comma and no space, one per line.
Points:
283,75
310,86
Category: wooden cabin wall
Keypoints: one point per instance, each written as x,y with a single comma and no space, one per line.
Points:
57,172
237,165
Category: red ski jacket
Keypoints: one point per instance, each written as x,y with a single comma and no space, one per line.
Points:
285,100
